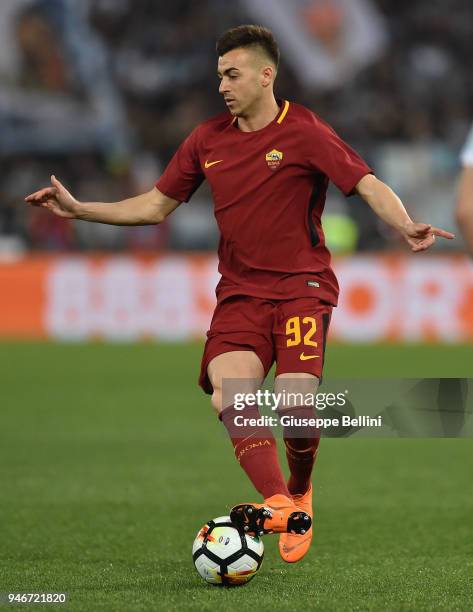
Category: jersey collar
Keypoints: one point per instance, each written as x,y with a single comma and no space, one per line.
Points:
282,114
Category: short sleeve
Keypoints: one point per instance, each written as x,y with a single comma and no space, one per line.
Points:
329,154
183,175
467,152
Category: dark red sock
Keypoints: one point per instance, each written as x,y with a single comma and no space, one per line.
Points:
302,442
256,451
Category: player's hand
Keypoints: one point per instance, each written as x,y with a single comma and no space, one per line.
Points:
56,199
421,236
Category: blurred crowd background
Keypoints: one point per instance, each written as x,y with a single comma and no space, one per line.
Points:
102,92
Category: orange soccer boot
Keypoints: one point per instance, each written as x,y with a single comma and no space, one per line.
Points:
278,514
292,547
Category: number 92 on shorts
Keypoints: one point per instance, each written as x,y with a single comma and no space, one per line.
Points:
291,333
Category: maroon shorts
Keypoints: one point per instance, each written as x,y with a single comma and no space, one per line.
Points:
291,333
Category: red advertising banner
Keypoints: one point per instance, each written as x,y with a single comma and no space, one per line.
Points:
171,297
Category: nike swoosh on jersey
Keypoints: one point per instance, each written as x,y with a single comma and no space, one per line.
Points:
303,357
210,164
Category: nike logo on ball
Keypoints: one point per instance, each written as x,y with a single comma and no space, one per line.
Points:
210,164
303,357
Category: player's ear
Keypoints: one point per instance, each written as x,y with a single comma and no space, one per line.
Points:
267,75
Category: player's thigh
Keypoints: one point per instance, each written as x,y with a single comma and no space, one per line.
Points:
295,388
234,372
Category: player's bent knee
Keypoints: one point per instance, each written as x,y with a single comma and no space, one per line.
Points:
234,374
235,364
296,389
216,400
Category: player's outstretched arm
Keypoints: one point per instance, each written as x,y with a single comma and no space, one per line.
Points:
146,209
387,205
464,208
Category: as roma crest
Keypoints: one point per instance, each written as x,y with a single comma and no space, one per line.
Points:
274,159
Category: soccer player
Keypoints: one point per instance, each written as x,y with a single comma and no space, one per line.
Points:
464,210
269,163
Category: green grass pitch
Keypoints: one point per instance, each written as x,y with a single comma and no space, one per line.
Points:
111,459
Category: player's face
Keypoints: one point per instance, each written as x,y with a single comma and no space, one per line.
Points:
242,79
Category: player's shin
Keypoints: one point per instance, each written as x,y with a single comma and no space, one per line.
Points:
255,450
302,442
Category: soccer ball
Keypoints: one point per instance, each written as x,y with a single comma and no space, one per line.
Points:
225,555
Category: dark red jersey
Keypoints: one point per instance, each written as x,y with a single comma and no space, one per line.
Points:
269,189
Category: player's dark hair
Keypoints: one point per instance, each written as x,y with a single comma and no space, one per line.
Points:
249,36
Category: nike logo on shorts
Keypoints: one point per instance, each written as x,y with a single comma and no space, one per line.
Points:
303,357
